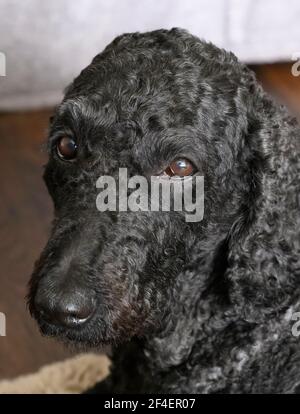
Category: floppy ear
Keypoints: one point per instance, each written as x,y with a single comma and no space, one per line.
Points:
263,259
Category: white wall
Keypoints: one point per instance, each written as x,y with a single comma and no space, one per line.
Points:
47,43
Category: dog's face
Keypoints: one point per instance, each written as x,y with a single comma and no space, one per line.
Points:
154,105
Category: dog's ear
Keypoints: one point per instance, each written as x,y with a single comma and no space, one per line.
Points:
262,253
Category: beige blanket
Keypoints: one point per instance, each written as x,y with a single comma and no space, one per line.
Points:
72,376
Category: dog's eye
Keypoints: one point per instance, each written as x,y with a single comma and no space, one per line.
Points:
181,167
66,148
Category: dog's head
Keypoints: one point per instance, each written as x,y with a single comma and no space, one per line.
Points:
157,104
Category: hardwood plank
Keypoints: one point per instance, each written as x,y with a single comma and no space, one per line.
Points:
25,215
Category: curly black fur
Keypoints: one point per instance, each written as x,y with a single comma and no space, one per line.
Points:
188,307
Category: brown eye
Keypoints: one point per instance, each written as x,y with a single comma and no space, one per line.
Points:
66,148
181,167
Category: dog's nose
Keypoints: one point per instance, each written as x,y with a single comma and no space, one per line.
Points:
68,309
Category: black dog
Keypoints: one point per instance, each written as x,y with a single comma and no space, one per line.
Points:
197,307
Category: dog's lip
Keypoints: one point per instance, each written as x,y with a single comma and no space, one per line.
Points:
78,334
72,335
70,321
74,324
77,322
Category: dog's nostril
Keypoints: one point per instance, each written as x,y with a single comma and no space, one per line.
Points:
70,310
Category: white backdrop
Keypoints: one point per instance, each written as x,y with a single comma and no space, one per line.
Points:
47,43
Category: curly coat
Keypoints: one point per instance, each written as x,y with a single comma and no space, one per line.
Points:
188,307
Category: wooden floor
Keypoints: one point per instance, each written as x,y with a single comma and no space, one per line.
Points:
25,216
279,81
